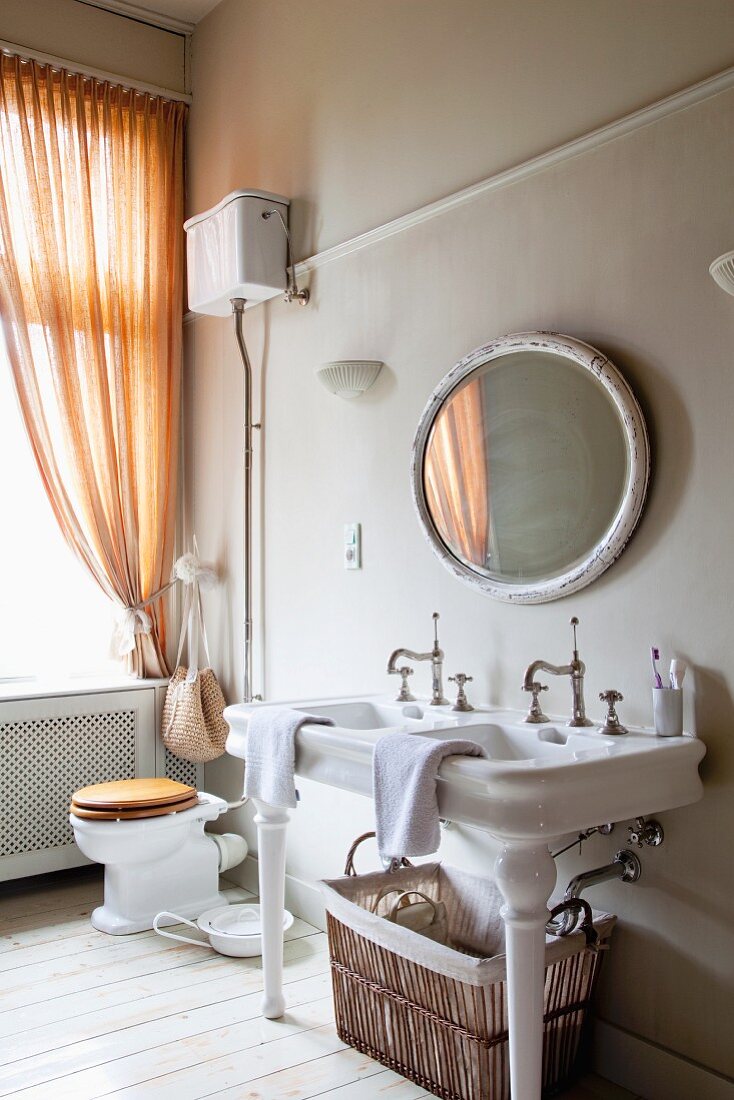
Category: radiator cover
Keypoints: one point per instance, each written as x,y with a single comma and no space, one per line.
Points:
52,746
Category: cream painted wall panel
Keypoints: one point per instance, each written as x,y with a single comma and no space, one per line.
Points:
612,247
363,112
96,38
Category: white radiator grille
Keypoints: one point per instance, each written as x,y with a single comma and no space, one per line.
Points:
44,760
180,770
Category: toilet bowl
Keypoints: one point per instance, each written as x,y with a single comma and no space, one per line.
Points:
158,862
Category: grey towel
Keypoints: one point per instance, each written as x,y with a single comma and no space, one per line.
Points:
270,757
404,773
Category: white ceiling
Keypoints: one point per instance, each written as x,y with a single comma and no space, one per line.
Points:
173,14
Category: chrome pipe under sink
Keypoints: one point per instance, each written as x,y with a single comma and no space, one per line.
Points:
625,866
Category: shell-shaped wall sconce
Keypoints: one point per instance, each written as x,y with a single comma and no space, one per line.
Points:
349,378
722,272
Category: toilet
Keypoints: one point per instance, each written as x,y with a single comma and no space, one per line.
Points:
149,834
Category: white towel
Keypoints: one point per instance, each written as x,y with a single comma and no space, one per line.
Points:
404,773
270,757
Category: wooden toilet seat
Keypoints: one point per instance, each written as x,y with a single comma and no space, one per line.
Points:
130,815
132,798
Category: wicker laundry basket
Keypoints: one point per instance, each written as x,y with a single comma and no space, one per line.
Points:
438,1015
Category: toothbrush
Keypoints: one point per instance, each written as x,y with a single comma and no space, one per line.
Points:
677,672
655,656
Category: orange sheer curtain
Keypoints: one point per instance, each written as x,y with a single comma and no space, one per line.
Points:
91,208
456,475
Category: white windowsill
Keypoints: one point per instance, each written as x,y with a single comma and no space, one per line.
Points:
14,690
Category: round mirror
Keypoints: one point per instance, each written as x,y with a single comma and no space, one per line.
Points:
530,466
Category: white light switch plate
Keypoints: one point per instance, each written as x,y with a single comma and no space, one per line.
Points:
352,546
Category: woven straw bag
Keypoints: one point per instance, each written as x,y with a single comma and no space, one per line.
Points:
193,723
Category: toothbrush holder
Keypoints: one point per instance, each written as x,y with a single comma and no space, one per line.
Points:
667,710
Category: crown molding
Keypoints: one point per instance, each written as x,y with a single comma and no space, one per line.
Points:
143,15
628,124
662,108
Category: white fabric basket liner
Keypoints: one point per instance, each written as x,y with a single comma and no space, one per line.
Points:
473,906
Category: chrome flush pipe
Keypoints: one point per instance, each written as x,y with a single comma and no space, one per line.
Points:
238,310
292,293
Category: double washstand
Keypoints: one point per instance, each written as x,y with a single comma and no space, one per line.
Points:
541,780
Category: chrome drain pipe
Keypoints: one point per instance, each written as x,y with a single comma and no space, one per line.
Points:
625,866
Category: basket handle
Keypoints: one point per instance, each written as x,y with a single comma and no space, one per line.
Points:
349,868
391,915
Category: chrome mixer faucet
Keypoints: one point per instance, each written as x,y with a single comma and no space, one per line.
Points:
435,656
575,669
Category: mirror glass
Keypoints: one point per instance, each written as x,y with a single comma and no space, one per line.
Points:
527,462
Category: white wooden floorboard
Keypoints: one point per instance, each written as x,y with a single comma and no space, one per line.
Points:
135,1056
244,1067
74,1006
21,933
24,931
386,1084
200,1008
48,898
89,940
35,984
85,1016
306,1080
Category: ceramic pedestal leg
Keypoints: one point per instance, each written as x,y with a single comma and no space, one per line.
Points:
272,823
526,875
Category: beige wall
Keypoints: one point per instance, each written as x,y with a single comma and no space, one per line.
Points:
612,247
100,39
364,111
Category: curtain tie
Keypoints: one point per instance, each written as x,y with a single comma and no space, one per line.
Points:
133,620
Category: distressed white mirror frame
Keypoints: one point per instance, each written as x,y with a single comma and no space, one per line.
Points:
615,538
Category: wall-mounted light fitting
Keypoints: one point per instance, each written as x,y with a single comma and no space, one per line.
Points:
722,272
349,378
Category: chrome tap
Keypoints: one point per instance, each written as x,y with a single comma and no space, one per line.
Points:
435,656
575,669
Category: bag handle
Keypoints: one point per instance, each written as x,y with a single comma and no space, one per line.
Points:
184,622
192,627
202,628
349,868
174,935
402,895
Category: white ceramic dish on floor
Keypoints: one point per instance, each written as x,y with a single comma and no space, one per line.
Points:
230,929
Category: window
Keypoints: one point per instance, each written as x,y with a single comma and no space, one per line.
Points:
91,190
55,621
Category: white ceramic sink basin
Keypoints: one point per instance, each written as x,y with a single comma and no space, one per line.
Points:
536,782
371,714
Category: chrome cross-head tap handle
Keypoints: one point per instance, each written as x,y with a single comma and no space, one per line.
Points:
462,703
612,723
404,672
535,714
